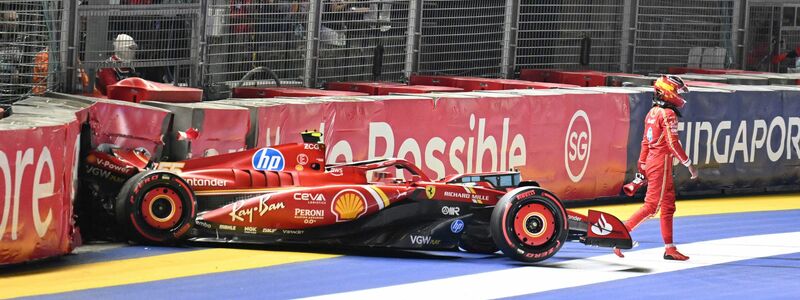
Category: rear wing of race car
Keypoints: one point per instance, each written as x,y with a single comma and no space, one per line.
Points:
598,229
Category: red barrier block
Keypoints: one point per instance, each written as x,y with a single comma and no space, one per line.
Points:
369,88
416,89
137,90
432,80
584,78
463,82
222,129
697,83
578,150
478,84
129,125
37,167
620,79
685,70
540,75
257,108
386,88
273,92
77,107
775,78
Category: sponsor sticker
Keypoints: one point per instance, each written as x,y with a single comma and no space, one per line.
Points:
206,182
577,145
423,240
465,195
348,205
302,159
268,159
602,227
450,210
309,197
457,226
238,212
336,172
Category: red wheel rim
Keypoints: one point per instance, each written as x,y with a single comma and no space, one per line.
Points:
162,208
534,224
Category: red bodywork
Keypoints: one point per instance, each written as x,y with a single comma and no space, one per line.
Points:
302,193
289,188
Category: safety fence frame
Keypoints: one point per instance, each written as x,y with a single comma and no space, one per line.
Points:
32,48
310,42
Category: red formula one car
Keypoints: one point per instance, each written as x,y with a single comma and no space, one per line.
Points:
288,194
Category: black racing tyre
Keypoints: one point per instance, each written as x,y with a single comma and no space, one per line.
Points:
155,207
529,224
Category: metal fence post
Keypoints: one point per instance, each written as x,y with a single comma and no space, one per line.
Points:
199,47
312,43
413,36
626,41
737,34
509,47
68,50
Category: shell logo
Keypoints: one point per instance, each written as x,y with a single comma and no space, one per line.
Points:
348,205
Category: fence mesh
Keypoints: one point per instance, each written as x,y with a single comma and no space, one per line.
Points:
550,34
667,31
244,34
203,42
363,40
157,42
462,37
763,25
30,47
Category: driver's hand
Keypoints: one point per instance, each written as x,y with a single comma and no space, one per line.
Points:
693,171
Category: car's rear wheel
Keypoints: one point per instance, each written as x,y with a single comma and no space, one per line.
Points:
529,224
155,207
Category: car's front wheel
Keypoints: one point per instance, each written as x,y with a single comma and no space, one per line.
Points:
155,207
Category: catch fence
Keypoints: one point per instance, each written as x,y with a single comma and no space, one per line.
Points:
310,42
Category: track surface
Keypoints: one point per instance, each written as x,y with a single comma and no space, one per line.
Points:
743,247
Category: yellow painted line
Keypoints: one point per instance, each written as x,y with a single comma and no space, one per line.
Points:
200,262
145,269
710,206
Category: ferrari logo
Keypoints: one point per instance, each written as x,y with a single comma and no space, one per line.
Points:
430,191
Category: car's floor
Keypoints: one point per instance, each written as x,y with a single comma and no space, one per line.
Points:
743,246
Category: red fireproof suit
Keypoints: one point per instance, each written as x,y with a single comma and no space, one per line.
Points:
659,145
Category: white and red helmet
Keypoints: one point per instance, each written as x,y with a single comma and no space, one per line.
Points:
668,89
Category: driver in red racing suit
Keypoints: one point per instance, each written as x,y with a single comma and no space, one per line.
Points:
659,145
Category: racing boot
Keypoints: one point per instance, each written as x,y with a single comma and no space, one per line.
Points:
618,251
671,253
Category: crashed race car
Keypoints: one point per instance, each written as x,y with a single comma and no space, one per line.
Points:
288,194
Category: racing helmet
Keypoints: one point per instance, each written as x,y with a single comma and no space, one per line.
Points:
668,89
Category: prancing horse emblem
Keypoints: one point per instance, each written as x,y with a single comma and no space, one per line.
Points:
430,191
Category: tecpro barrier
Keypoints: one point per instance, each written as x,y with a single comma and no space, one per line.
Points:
40,151
572,143
38,164
221,129
743,139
